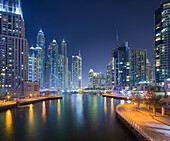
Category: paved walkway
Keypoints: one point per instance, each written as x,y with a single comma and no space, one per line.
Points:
9,103
2,104
151,128
117,96
164,119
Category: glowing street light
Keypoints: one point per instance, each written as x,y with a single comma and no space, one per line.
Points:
8,97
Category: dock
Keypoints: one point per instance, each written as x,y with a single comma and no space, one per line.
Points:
117,96
13,104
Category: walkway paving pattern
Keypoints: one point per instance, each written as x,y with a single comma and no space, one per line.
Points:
149,127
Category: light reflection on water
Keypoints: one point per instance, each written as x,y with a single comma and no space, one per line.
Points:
75,117
8,124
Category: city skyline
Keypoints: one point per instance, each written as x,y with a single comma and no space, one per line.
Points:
100,38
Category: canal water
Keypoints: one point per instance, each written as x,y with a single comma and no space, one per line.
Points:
74,118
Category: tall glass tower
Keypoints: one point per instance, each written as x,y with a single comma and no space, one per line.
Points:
31,64
40,59
64,53
121,64
77,71
162,42
13,49
53,56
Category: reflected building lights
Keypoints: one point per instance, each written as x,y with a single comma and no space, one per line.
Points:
112,107
105,105
9,128
44,112
59,108
31,114
79,109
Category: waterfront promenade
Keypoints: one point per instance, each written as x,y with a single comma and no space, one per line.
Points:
117,96
144,123
12,104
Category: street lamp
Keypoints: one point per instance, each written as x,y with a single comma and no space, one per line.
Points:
8,97
135,105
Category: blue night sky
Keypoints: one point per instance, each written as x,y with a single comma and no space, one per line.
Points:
90,26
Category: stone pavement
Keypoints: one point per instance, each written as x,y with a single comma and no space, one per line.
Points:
144,123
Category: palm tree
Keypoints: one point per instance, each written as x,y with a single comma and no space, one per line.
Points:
154,101
138,100
162,105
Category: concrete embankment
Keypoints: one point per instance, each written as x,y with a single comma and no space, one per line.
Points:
8,105
117,96
141,125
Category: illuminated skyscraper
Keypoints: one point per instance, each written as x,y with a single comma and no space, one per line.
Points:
64,53
52,57
77,72
69,80
121,64
61,74
138,65
90,79
149,72
31,64
94,80
40,59
108,75
162,42
13,48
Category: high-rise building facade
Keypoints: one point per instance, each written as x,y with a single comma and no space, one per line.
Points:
121,64
77,71
162,42
61,73
90,79
31,64
108,75
138,65
149,72
52,57
40,59
13,49
64,53
94,80
69,80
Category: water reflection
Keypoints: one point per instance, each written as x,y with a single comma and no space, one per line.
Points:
31,114
59,109
75,117
44,112
105,105
8,124
112,107
79,108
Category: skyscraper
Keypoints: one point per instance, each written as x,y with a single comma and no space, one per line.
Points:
52,57
121,64
13,48
61,74
94,80
31,64
162,41
138,65
90,79
108,75
77,71
40,59
149,72
64,53
69,80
